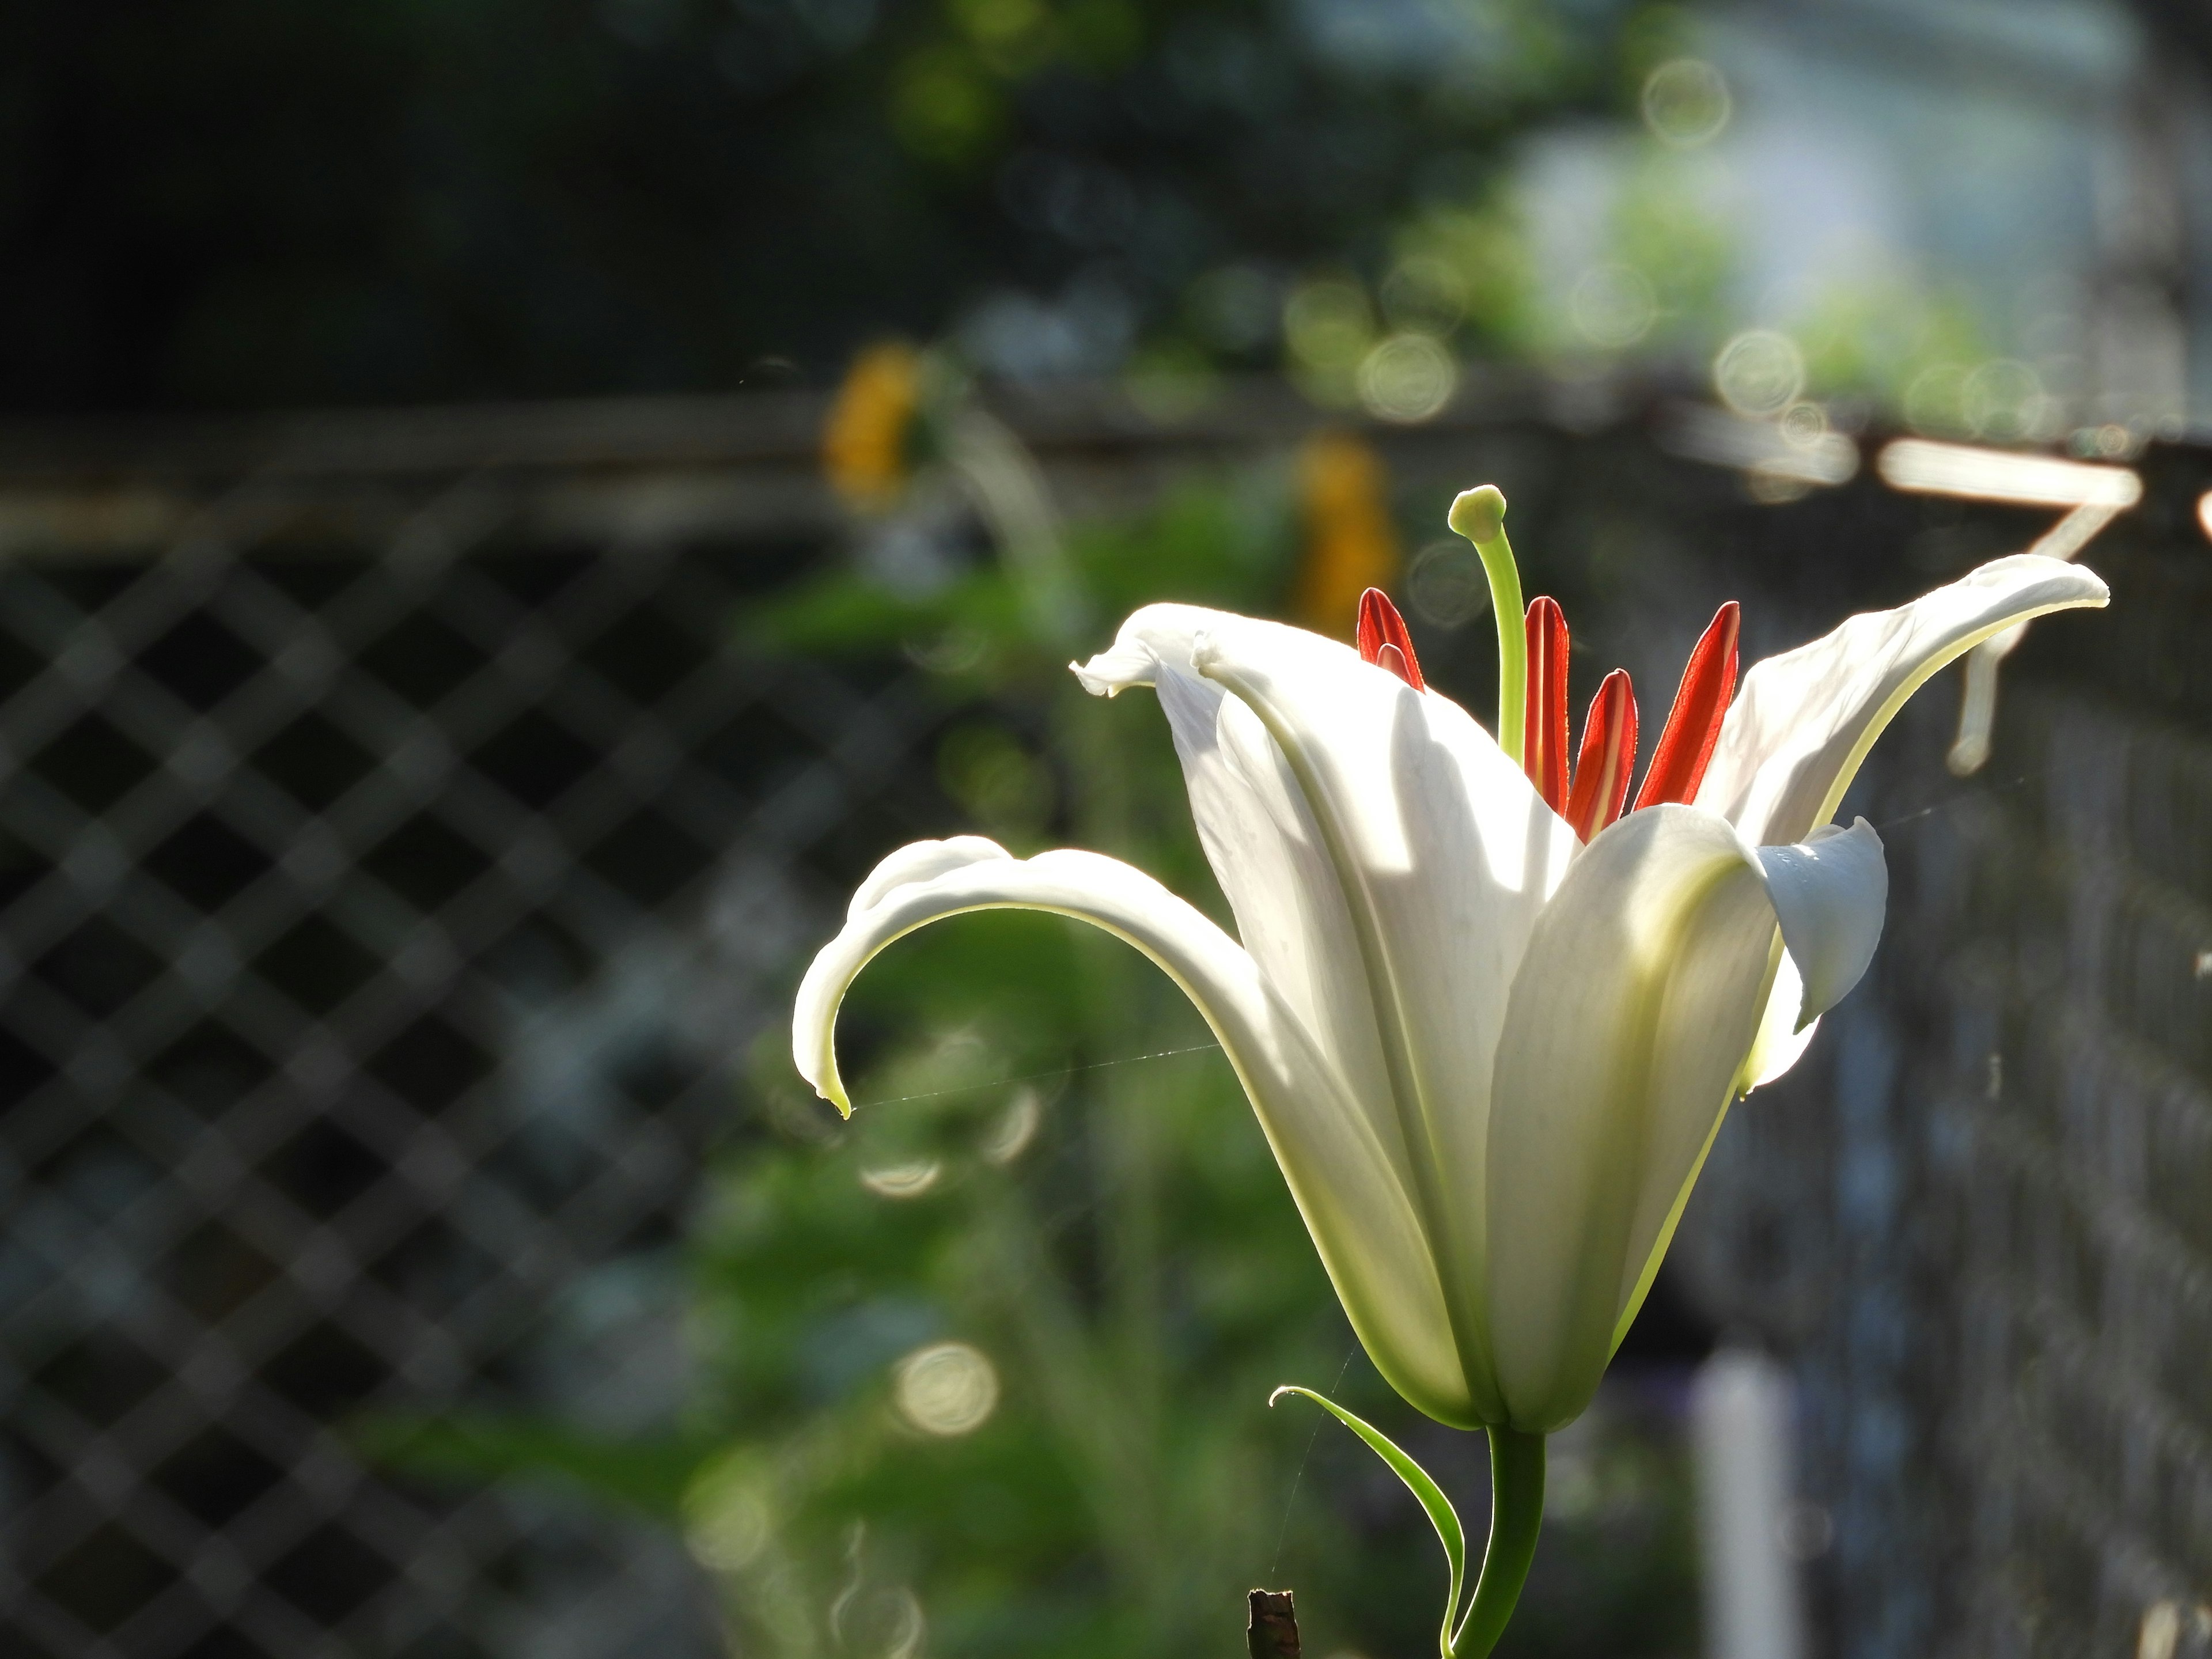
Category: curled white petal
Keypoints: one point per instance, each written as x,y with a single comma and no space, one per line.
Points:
921,860
1830,893
1782,1041
1152,636
1348,1181
1793,737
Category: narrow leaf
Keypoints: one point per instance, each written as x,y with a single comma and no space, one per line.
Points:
1442,1516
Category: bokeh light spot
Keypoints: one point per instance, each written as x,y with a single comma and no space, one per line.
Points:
1446,585
1423,295
1612,306
1935,401
946,1389
1009,1137
1686,102
1802,425
727,1519
907,1180
1759,373
1407,378
2003,401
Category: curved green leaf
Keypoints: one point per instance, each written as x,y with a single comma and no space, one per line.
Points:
1442,1516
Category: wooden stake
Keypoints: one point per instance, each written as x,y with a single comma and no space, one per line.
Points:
1274,1632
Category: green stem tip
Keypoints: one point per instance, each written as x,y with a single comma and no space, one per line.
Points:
1479,514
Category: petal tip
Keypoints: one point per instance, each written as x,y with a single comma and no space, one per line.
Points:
1112,673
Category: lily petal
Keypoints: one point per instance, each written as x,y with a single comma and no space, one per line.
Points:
1630,1021
1830,894
1445,854
1347,1182
1794,738
1782,1041
1265,850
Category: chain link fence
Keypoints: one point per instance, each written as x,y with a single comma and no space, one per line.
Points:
1978,1219
399,843
397,846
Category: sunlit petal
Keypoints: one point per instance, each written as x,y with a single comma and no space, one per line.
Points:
1265,850
1830,893
1629,1027
1445,856
1348,1182
1804,720
1781,1043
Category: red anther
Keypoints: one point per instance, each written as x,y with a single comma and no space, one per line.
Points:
1390,656
1544,734
1693,725
1383,640
1608,757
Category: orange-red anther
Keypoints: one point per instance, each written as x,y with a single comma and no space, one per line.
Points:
1608,757
1693,725
1544,732
1383,640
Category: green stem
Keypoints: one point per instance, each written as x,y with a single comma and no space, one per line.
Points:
1480,515
1516,1514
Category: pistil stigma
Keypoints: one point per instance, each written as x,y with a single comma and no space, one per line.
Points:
1479,514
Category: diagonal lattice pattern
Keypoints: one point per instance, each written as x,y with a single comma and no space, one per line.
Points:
1977,1220
387,888
394,858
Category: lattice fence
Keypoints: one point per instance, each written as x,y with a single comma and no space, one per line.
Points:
398,844
392,859
1980,1221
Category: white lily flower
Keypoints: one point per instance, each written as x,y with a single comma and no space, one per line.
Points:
1490,1057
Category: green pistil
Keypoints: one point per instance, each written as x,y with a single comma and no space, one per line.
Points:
1480,515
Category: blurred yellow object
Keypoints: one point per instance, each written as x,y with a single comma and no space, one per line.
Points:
864,442
1352,544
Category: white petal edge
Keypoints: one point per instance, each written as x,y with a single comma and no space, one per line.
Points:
1782,1041
1344,1180
1803,721
1830,893
1153,634
1260,840
1268,856
1631,1021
